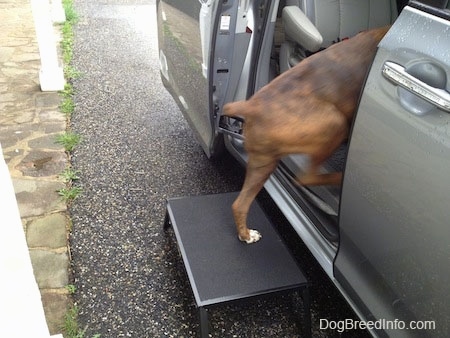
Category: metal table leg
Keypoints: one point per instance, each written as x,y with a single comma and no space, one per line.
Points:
167,221
306,312
204,329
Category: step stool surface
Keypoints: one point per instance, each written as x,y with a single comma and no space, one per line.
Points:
220,267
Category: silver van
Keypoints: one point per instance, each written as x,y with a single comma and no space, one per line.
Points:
383,237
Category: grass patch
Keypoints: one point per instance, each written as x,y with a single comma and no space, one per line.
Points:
71,73
67,31
69,193
69,175
67,106
70,323
68,91
71,14
71,328
68,140
67,42
71,288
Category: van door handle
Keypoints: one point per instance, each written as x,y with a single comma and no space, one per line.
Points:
398,75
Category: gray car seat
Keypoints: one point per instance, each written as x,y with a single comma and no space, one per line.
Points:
311,25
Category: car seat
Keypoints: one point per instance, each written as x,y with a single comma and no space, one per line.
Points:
311,25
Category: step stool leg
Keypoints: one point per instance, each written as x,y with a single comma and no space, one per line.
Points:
306,312
204,329
167,221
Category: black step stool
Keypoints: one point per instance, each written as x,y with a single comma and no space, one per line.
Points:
223,269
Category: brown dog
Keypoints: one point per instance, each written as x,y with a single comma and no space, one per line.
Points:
306,110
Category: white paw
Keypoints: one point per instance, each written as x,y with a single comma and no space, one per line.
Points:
255,236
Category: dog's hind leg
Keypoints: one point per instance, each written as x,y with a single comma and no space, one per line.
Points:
336,131
257,174
313,176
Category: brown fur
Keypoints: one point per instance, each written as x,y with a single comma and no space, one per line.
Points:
306,110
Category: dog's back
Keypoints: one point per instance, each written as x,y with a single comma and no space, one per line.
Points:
335,75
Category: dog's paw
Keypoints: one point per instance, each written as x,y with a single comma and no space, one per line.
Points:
254,236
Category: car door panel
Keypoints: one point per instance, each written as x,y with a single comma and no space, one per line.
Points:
203,46
184,58
395,217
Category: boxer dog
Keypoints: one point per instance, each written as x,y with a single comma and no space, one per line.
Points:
308,110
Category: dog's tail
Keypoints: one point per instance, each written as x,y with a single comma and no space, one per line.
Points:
235,109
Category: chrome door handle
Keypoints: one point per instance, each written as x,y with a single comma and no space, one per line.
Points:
398,75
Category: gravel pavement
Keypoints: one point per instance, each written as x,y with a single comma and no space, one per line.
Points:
136,151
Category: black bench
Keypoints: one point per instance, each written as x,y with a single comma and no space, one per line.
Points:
221,268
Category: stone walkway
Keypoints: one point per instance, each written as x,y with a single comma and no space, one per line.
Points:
30,120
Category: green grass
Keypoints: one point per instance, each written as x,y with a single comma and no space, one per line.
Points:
69,193
68,90
71,14
67,32
70,323
67,106
68,140
71,288
70,73
71,328
69,175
